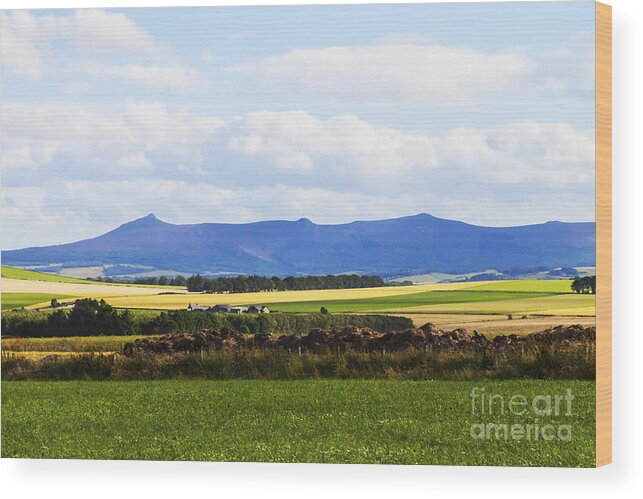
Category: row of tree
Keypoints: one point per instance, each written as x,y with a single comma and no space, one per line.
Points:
91,317
163,280
585,285
88,317
255,283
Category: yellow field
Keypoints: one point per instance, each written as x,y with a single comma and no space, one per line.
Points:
500,324
77,289
169,302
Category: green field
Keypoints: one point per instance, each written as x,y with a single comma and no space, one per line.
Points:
30,275
395,302
405,422
530,285
17,300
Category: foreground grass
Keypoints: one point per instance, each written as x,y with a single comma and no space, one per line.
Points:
534,363
402,422
17,300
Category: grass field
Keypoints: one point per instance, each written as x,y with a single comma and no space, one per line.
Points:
30,275
404,422
397,302
560,305
17,300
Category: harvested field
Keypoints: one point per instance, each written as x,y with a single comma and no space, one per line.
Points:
76,289
497,324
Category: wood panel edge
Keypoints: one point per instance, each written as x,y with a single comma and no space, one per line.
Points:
603,234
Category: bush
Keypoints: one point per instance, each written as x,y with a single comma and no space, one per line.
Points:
286,323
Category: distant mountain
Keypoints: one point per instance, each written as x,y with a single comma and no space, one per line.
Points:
401,246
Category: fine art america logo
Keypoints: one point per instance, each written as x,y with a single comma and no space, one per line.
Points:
520,417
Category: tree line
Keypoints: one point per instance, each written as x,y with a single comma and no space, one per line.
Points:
255,283
585,285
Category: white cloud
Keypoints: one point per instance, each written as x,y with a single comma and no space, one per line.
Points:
403,72
107,165
97,30
85,136
21,34
289,145
27,43
411,68
298,141
552,153
136,161
347,147
175,75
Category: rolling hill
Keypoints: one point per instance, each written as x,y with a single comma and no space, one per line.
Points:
402,246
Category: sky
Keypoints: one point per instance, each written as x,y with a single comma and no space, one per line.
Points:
476,112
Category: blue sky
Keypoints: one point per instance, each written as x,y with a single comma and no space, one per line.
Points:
478,112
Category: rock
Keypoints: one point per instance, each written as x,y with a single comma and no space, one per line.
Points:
361,339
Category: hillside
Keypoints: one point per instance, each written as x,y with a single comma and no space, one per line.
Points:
30,275
402,246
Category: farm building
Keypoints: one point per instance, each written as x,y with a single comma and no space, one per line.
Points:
193,306
253,309
258,309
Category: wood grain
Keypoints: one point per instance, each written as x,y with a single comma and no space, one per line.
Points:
603,234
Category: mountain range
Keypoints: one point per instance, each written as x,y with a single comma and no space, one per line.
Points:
394,247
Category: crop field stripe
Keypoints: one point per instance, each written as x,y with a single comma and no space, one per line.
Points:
404,301
553,286
17,300
334,421
32,275
564,304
